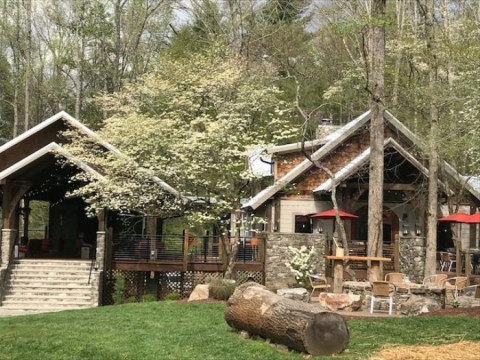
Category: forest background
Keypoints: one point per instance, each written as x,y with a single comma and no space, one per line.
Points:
102,60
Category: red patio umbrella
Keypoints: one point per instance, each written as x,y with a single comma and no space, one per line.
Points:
331,214
458,217
472,219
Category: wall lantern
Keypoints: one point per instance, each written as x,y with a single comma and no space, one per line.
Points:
418,231
405,224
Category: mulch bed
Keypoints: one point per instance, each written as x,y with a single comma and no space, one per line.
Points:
465,350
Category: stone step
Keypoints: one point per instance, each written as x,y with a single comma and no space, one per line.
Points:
66,277
40,285
31,305
51,261
21,298
83,266
48,290
52,267
48,282
27,286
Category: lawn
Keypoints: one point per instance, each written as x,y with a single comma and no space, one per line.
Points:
175,330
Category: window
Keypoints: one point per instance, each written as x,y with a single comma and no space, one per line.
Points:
303,224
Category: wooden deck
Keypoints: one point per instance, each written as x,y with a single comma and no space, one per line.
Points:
166,266
184,253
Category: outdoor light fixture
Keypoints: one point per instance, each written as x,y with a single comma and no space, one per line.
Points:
418,231
405,224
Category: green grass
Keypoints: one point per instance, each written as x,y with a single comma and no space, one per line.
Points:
172,330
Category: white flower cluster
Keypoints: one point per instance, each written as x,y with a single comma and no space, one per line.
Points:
301,264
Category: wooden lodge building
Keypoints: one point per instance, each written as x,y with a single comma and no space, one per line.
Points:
73,260
300,189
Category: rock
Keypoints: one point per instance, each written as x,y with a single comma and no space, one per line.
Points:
199,293
344,302
419,304
299,294
465,301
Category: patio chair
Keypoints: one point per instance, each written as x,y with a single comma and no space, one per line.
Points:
382,290
396,278
448,260
318,283
456,285
435,280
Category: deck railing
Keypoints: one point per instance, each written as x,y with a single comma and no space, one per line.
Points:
181,248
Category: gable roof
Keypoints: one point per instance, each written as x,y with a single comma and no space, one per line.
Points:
338,137
332,141
362,159
54,147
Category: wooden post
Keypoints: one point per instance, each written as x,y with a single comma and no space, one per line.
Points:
396,254
337,276
376,270
468,264
185,250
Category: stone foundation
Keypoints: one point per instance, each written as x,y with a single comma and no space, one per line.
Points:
277,275
412,258
8,239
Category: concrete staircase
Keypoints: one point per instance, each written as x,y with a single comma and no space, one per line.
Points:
39,285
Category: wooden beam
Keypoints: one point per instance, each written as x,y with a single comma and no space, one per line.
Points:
178,266
395,187
12,193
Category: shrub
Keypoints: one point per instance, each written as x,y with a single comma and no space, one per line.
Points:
301,265
172,296
119,289
221,289
148,298
130,300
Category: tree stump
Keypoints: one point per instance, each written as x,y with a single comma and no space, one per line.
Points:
303,327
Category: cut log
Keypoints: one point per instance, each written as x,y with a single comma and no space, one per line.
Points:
303,327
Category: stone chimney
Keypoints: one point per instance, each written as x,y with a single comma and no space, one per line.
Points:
325,128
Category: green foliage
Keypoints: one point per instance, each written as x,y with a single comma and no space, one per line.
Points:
192,122
177,331
301,264
455,303
119,289
171,296
148,298
131,300
221,289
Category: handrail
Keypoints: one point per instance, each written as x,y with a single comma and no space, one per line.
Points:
91,267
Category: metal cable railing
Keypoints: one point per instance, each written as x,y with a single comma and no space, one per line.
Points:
198,249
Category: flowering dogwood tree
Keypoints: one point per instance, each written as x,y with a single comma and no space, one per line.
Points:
191,122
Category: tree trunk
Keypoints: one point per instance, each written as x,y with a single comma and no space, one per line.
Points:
28,64
375,186
300,326
433,164
232,250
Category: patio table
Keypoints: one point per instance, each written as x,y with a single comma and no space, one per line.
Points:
376,266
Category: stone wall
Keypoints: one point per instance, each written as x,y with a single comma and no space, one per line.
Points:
412,258
277,275
402,294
